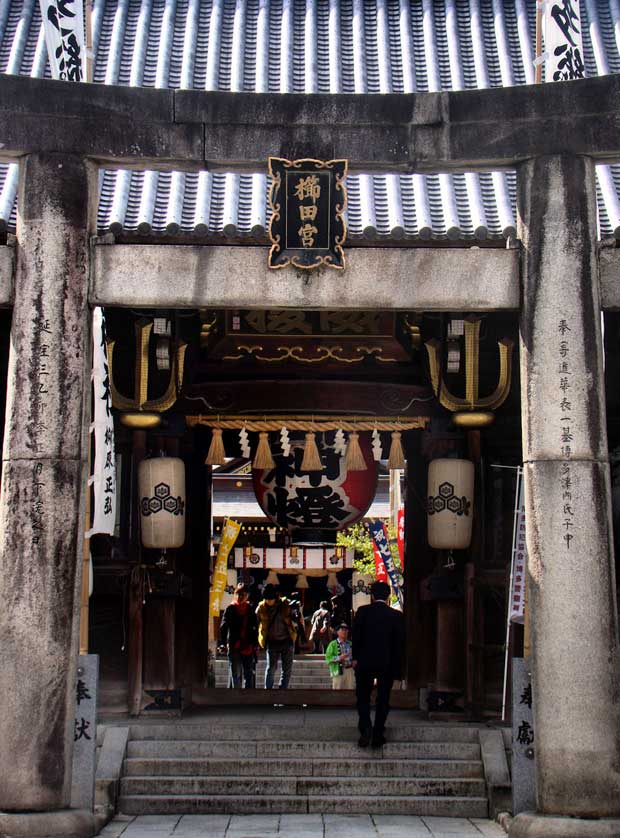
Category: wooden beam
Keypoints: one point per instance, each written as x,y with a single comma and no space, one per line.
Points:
194,276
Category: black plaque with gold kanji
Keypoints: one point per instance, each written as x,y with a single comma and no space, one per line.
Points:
308,199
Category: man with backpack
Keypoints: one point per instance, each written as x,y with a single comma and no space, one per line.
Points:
276,634
319,628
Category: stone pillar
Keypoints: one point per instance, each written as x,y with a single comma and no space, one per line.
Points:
567,496
43,483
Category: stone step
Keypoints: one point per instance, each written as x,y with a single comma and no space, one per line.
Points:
306,786
465,807
361,767
300,750
313,731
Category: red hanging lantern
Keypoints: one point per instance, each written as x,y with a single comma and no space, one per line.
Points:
314,505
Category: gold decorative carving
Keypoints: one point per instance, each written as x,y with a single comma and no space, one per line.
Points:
472,401
301,354
139,402
413,330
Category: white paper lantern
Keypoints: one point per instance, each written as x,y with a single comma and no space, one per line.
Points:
229,590
450,503
161,482
361,589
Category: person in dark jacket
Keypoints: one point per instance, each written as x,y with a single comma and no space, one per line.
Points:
378,644
239,629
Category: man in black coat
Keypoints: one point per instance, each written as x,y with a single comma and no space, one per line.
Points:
378,644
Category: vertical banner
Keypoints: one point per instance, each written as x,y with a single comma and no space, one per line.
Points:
563,44
400,535
519,556
103,479
380,571
230,531
63,24
377,532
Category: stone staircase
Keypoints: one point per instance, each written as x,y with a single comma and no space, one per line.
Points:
232,768
309,673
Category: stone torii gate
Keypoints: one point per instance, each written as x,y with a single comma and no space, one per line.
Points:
554,275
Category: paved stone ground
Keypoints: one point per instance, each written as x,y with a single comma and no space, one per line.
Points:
298,826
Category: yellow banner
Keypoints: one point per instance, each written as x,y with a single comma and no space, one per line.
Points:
230,532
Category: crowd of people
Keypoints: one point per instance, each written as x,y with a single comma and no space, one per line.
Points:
360,657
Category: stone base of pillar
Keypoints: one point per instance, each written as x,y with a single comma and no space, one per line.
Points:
64,823
528,825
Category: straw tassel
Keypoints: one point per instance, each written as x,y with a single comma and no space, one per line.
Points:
397,456
355,459
272,578
312,458
263,458
216,455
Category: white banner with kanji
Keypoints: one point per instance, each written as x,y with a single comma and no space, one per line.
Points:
103,479
519,556
563,44
63,24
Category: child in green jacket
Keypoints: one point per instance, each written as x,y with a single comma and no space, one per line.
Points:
339,659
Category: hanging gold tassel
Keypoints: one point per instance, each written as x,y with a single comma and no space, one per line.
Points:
263,458
312,458
354,458
397,456
216,455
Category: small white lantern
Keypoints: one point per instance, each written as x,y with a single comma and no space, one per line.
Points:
161,483
450,503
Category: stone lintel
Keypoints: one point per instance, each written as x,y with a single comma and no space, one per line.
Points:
192,276
456,130
113,141
7,268
576,661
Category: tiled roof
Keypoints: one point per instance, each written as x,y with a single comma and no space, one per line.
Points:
349,46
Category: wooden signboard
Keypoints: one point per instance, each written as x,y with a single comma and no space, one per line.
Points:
308,199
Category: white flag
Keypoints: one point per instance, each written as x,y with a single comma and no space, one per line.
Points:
63,24
104,473
563,44
519,557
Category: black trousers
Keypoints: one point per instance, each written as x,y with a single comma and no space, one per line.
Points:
363,688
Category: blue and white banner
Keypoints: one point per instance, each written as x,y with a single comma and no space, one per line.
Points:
563,44
103,479
63,24
377,531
